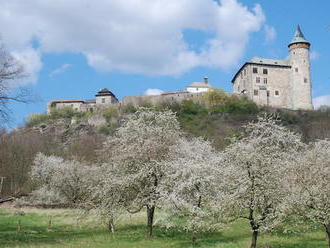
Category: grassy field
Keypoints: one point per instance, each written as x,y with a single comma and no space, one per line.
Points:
61,228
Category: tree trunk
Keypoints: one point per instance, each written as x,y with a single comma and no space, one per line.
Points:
254,239
111,225
150,214
194,237
327,230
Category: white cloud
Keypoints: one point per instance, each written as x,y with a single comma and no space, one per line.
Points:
30,59
270,33
321,100
153,92
314,55
133,36
63,68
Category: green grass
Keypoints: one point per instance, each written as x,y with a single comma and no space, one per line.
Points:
65,231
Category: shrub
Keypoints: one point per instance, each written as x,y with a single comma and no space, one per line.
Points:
66,112
128,109
35,119
110,113
236,105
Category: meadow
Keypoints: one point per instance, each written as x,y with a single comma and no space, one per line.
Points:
52,228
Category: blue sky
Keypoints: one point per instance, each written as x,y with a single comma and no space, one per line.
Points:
76,47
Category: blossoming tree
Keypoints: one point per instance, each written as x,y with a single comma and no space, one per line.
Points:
309,180
253,178
190,185
137,151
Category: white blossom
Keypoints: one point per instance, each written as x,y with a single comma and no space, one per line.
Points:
137,151
190,185
255,174
309,186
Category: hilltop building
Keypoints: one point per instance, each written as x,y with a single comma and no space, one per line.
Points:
102,99
279,83
194,91
269,82
105,98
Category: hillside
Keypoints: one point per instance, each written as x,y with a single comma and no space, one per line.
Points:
73,134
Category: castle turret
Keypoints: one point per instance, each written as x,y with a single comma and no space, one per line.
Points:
105,97
300,92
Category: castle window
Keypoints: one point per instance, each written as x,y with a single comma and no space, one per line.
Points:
265,80
305,80
296,69
277,93
103,100
255,92
255,70
268,93
258,80
265,71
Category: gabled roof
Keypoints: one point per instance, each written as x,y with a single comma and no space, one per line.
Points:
298,37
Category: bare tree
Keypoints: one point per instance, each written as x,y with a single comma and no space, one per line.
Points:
10,70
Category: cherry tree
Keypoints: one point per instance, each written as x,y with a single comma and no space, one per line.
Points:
254,175
137,152
62,182
105,197
309,180
91,188
190,185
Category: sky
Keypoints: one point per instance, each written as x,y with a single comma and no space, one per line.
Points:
73,48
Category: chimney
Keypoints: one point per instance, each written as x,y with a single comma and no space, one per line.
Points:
206,80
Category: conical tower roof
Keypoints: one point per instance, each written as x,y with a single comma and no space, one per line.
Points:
298,37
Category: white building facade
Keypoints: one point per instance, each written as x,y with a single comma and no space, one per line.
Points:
103,98
279,83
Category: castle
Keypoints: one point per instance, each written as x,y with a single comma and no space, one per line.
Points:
105,98
268,82
279,83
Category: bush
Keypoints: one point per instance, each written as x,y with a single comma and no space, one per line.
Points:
128,109
66,112
236,105
110,113
35,119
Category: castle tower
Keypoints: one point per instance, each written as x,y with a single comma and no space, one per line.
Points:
300,91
